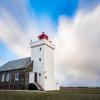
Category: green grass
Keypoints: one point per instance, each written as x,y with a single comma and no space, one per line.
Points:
68,94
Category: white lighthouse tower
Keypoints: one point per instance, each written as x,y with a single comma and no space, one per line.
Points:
42,55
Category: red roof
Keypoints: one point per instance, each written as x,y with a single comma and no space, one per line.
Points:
43,36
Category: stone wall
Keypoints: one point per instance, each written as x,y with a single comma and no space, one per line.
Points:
21,83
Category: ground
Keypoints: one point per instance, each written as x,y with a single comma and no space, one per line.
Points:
68,94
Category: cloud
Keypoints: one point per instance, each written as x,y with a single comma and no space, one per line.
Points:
78,49
88,4
19,24
12,35
17,27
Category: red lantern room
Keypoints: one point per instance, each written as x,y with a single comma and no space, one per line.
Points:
42,36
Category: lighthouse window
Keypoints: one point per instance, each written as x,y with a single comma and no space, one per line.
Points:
40,49
39,59
39,74
45,77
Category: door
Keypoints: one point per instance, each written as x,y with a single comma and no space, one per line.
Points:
35,77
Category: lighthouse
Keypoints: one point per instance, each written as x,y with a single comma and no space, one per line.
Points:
42,55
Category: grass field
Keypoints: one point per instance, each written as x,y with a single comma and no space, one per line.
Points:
68,94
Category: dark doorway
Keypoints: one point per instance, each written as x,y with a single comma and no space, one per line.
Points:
35,77
32,87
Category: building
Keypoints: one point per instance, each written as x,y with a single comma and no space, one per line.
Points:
33,73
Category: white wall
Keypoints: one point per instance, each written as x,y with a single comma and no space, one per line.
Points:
31,77
49,83
46,65
38,66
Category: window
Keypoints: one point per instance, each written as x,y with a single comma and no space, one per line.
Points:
17,76
39,74
40,49
39,59
3,77
7,77
45,77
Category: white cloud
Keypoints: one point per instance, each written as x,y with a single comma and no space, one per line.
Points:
12,35
19,27
78,49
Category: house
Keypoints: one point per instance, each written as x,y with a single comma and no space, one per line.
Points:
33,73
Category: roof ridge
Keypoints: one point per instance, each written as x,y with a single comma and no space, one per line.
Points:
19,59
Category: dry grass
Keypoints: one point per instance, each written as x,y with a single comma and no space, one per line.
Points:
68,94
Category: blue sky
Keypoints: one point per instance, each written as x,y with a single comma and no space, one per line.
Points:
54,8
51,9
23,20
37,8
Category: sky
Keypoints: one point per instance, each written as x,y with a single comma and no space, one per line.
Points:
73,26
